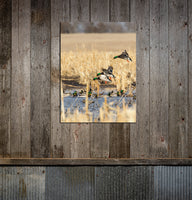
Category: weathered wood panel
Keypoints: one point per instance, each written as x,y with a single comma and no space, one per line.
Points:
190,77
94,161
119,11
139,141
80,10
5,69
158,79
20,84
40,78
60,133
178,79
80,141
133,127
162,92
119,141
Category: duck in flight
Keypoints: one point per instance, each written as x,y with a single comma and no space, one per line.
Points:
124,56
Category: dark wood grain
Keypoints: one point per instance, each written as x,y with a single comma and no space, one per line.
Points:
119,141
5,70
20,95
178,79
133,126
139,141
159,68
92,161
40,78
190,77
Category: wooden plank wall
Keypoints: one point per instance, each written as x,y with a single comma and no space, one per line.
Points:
30,81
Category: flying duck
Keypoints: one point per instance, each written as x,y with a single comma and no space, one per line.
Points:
124,56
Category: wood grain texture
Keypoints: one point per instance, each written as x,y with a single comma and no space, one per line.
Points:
119,141
80,141
119,11
60,133
133,126
190,78
20,84
80,10
140,139
5,70
164,84
100,131
159,68
132,10
178,79
94,162
100,11
40,78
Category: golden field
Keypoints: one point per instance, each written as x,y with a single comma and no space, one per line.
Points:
83,56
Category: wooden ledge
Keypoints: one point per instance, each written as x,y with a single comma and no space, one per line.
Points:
93,161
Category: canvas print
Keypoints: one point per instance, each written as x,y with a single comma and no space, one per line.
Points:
98,72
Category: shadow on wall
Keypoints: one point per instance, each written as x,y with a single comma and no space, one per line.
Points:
94,27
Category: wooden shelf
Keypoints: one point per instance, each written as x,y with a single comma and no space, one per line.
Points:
93,161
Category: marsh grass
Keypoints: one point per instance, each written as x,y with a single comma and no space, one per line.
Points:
86,64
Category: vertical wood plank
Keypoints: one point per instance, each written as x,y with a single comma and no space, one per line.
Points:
60,133
133,127
80,10
80,141
5,69
178,79
190,77
158,79
119,135
100,131
100,11
40,78
132,10
139,141
80,133
119,141
120,11
20,84
100,140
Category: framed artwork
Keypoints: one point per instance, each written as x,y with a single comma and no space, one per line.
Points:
98,72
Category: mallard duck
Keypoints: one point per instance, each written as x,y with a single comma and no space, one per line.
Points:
106,75
90,93
108,72
120,93
124,56
103,77
110,93
75,93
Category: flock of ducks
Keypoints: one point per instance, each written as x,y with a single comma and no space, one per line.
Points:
107,74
